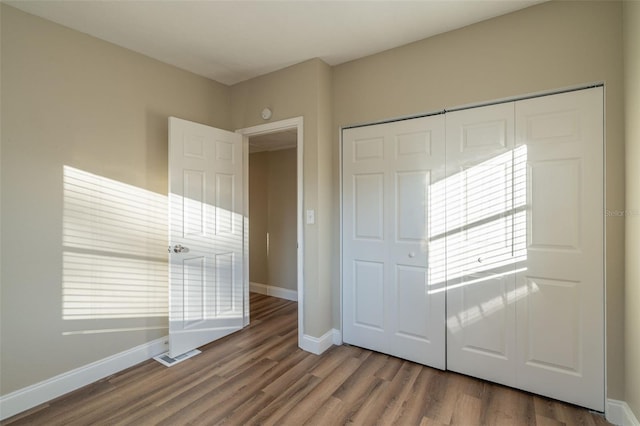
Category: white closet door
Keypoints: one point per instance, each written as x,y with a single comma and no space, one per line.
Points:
561,318
525,245
393,268
481,214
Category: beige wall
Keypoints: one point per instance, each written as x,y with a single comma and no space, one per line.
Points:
545,47
302,90
70,99
258,217
282,213
273,210
631,13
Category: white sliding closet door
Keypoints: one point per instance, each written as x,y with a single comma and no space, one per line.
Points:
483,219
560,334
393,266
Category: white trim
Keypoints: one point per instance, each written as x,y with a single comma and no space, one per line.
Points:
317,345
619,413
276,126
245,231
31,396
605,340
270,290
341,231
337,337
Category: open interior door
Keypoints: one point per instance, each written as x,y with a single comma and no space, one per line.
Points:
207,294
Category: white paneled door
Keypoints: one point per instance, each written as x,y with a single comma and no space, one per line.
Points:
482,214
206,235
393,270
560,314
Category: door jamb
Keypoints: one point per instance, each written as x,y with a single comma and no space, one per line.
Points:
273,127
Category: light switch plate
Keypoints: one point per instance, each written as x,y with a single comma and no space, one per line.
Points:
311,217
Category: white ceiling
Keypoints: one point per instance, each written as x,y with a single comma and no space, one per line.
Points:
232,41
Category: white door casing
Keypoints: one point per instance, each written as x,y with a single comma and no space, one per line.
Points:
272,127
393,298
207,297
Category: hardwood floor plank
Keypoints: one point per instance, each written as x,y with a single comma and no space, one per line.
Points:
444,396
279,407
353,392
319,394
466,407
420,399
259,376
369,412
248,409
327,413
546,421
398,391
189,411
328,364
297,370
390,368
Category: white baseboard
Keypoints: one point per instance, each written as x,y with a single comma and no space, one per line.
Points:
31,396
269,290
619,413
317,345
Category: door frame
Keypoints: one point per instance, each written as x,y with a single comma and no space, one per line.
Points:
274,127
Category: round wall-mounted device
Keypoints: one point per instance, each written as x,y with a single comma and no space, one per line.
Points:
266,113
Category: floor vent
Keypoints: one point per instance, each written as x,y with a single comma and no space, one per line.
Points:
166,360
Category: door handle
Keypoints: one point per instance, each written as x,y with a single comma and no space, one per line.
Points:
179,248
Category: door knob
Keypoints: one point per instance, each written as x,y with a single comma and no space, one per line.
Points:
179,248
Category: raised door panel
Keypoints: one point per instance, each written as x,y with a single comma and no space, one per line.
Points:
368,206
555,220
552,324
368,295
227,301
194,289
411,189
224,215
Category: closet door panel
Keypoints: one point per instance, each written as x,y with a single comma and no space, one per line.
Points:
364,226
417,306
480,217
390,302
561,320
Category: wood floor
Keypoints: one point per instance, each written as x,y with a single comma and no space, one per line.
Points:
260,376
